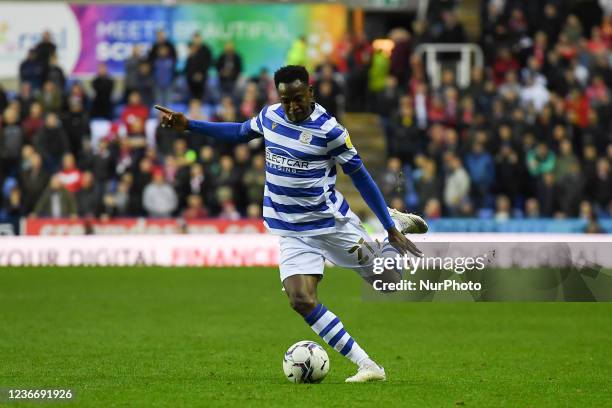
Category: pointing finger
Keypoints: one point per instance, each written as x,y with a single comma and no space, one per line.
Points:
163,109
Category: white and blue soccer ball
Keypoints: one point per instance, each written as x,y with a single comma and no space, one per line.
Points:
306,362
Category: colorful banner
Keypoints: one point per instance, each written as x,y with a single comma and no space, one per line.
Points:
138,226
109,32
585,252
162,250
88,34
22,25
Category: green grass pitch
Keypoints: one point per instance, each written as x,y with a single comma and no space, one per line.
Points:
215,337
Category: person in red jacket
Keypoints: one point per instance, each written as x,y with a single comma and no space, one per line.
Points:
504,63
135,111
70,176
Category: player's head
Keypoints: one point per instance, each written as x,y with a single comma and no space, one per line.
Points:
294,92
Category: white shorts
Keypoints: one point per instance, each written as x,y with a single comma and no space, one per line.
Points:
348,247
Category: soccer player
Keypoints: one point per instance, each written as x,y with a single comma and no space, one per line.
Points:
303,143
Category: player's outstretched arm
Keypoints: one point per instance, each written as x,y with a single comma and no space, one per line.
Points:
225,131
374,199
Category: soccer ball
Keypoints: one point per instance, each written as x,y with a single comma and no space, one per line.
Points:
305,362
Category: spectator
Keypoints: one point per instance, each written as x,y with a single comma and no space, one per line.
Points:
163,73
56,201
551,22
76,125
11,140
510,89
52,142
55,73
327,91
456,186
377,76
548,195
570,185
102,106
146,83
502,208
479,164
565,160
509,173
406,138
254,180
534,94
420,105
503,64
25,98
298,52
249,106
197,66
242,163
266,87
398,203
44,50
226,111
433,209
165,137
532,208
135,114
103,163
391,183
540,160
116,204
12,209
400,56
572,29
51,97
358,61
131,69
226,181
387,106
33,180
195,209
602,184
161,40
428,185
88,197
196,183
228,210
517,26
229,67
254,212
451,30
159,198
70,176
31,70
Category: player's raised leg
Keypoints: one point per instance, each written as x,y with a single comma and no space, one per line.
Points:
302,293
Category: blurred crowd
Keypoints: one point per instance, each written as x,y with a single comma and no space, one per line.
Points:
530,136
52,167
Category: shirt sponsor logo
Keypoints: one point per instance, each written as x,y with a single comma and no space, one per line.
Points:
283,160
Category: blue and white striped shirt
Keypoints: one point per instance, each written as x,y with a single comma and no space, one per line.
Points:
300,198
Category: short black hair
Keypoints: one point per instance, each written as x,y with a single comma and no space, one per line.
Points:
290,73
